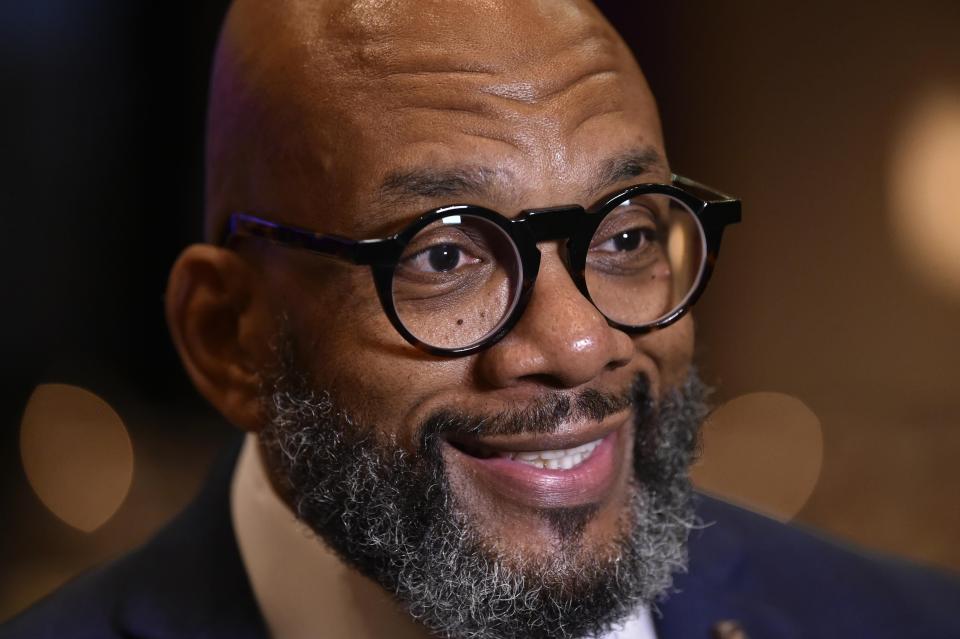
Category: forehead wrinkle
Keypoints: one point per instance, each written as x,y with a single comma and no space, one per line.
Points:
593,59
532,83
471,121
589,116
509,31
441,73
477,110
460,108
430,74
397,56
530,93
387,38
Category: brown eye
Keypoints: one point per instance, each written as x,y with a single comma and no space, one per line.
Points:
629,240
440,258
443,258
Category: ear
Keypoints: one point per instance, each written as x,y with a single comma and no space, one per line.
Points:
221,326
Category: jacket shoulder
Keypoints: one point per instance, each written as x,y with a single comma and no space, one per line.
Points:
825,587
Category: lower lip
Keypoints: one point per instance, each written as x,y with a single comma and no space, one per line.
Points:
589,482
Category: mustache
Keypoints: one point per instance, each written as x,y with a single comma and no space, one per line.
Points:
544,415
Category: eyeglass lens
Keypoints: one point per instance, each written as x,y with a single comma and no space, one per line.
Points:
645,259
457,281
459,278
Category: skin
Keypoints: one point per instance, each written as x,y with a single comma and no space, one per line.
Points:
313,106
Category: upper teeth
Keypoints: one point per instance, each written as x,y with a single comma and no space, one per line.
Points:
555,459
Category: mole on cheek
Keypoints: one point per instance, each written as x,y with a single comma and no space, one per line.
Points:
459,322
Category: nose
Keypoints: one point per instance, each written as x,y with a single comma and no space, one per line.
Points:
561,340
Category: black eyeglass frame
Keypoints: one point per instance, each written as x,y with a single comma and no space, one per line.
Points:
712,209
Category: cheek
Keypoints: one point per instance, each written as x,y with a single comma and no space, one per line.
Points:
352,350
330,312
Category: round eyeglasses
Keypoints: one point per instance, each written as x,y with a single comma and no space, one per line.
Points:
458,278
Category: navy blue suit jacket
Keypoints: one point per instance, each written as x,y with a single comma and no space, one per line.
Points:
777,581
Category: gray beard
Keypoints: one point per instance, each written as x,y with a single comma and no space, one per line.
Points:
393,516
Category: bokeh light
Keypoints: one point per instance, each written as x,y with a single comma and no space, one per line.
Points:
76,453
762,450
925,191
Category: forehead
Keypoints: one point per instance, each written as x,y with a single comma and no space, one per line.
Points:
486,31
530,102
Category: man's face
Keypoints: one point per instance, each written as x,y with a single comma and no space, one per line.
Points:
544,105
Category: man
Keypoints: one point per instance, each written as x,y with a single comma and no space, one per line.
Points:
446,295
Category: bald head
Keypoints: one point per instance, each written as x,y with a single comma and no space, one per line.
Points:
309,95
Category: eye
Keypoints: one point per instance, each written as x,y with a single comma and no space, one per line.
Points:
627,240
441,258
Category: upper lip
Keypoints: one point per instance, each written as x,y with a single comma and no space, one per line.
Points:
569,435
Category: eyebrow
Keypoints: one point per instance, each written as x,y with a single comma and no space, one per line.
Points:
406,187
630,164
403,187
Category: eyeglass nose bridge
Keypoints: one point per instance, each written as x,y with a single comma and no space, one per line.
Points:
544,225
553,223
569,223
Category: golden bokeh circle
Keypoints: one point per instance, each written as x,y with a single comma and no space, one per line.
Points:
76,453
762,450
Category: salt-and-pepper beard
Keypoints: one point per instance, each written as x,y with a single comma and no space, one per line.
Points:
393,516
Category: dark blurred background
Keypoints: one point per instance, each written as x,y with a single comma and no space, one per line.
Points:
830,328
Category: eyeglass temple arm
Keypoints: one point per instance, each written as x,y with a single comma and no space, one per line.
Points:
725,207
335,246
711,194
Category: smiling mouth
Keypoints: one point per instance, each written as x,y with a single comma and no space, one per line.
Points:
557,459
573,468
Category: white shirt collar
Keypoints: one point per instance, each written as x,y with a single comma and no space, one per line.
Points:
303,589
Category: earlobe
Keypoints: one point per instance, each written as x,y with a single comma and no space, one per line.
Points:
220,327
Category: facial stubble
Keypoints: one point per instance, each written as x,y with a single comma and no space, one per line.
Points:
394,516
